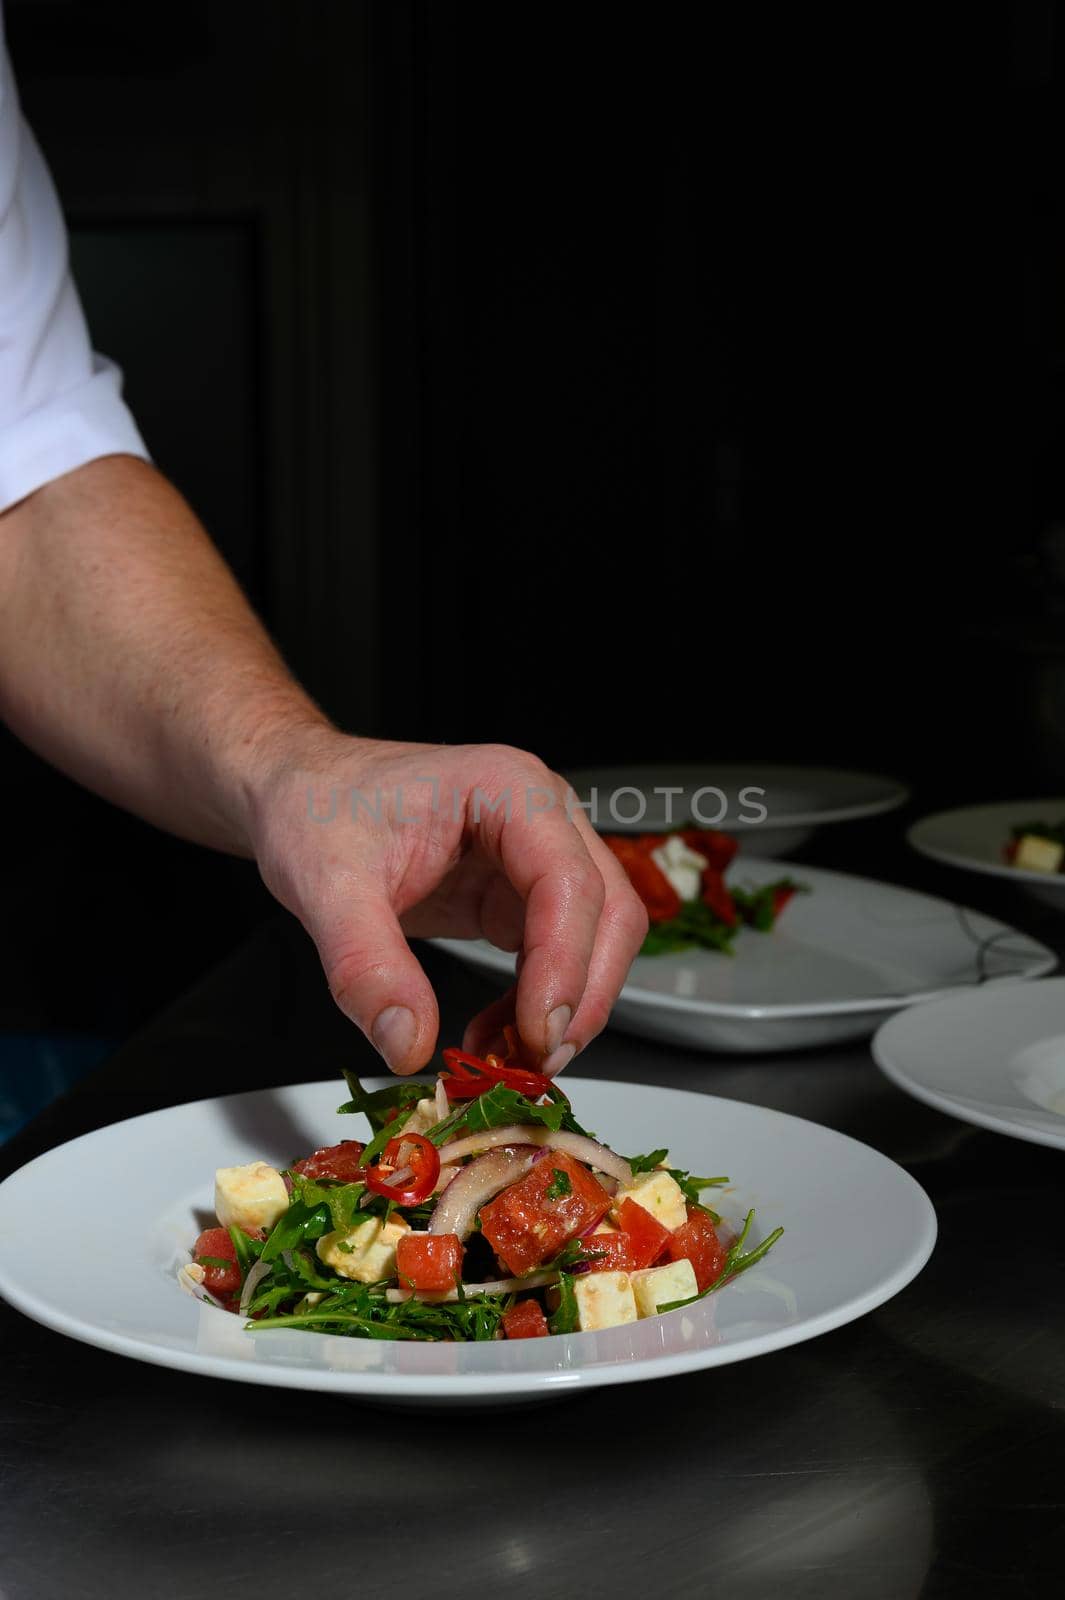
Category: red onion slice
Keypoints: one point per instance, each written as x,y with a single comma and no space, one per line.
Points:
256,1273
590,1151
476,1184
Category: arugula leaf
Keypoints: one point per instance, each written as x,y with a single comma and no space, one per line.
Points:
560,1185
692,1188
695,925
573,1252
647,1163
564,1320
500,1106
341,1198
736,1261
758,907
298,1223
247,1250
375,1106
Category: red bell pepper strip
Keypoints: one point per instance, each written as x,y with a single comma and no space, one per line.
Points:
419,1156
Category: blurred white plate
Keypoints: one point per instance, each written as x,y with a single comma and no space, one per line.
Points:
974,837
858,1229
796,799
996,1058
839,959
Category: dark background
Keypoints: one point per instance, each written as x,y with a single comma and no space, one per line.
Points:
620,382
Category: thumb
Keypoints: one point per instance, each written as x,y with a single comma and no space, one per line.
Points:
376,980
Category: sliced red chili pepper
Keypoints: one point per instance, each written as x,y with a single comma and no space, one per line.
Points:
420,1156
469,1076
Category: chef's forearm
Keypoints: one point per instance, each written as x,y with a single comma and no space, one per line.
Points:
130,659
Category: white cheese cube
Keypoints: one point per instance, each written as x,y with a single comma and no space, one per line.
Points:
366,1254
659,1194
604,1300
658,1286
683,867
249,1197
1038,855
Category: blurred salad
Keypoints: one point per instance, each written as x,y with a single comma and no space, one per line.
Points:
680,877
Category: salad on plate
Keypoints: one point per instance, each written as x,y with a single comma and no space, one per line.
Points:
477,1209
680,877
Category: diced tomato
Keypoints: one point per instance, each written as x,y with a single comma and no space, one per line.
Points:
431,1261
718,848
216,1243
716,895
337,1161
697,1241
525,1320
530,1222
612,1252
648,1239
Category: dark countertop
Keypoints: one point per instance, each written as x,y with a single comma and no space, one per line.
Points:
919,1451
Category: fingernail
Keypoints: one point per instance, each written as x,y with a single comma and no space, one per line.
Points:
557,1060
557,1023
394,1033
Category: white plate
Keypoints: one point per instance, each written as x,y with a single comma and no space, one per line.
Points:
796,799
126,1203
839,959
996,1058
973,837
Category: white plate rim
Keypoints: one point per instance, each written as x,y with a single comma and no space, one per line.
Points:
896,793
417,1387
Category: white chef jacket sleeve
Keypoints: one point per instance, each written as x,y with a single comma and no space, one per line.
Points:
60,404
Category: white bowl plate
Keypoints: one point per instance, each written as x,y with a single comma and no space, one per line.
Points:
128,1201
838,961
995,1059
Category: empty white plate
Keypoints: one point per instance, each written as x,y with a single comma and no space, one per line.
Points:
770,808
838,961
974,837
996,1058
127,1202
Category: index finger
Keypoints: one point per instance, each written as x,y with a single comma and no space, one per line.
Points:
549,865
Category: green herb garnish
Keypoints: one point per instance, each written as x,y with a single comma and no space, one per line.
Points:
560,1185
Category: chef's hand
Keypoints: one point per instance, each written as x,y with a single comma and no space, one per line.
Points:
367,842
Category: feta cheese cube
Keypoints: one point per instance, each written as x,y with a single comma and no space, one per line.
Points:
683,867
659,1194
1038,855
367,1253
604,1300
249,1197
658,1286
